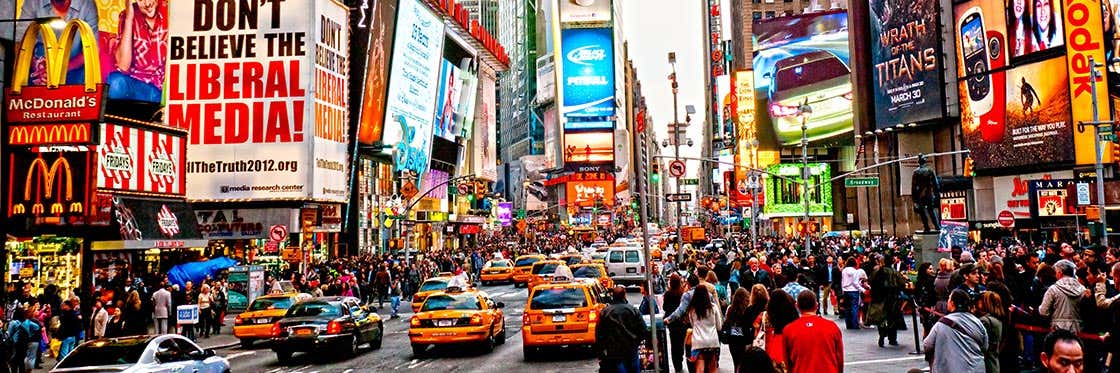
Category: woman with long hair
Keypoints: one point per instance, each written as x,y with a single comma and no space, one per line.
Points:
706,319
925,295
1020,33
1047,28
780,311
737,326
991,312
135,322
670,301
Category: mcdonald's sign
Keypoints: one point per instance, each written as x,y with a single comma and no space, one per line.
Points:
56,102
48,185
51,134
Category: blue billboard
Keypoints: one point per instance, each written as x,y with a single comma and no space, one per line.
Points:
588,74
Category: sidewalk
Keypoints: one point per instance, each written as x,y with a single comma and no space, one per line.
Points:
216,342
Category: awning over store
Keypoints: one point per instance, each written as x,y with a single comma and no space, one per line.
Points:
151,223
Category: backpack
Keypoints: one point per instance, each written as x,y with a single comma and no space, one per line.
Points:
18,336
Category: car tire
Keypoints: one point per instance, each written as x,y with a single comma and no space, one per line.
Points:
489,343
530,353
246,343
419,350
376,343
284,357
502,336
355,346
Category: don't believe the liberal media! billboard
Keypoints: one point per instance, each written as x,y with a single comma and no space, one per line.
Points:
907,72
262,88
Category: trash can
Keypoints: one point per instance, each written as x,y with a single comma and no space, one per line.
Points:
645,350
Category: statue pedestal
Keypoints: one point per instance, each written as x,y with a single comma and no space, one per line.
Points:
925,248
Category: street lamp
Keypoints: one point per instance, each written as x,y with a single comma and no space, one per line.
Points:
804,111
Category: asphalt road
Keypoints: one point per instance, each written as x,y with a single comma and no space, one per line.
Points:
395,353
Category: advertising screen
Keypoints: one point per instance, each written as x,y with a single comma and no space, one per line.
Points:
382,22
1051,198
485,124
1036,127
586,193
256,111
413,85
447,100
905,63
505,213
803,58
783,193
139,160
588,148
585,11
51,188
132,44
1034,26
980,30
1089,39
588,68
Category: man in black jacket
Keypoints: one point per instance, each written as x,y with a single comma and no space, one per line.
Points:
621,329
828,278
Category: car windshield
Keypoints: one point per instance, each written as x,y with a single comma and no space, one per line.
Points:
499,264
521,262
432,285
315,308
587,272
573,260
449,302
547,299
106,352
270,304
545,268
810,73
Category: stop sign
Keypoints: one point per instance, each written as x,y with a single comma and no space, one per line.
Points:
1006,219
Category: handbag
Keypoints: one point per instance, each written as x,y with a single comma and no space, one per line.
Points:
731,332
760,336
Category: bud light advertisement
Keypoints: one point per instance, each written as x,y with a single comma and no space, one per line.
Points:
588,73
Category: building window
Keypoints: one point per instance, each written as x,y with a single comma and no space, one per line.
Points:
757,15
770,14
757,1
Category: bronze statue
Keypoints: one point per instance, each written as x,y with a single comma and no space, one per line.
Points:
925,189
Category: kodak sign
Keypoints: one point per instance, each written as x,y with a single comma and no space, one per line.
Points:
1085,39
56,101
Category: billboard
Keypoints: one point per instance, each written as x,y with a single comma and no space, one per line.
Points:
533,171
546,79
1031,126
139,160
1051,198
588,148
588,74
1012,193
746,133
905,63
382,22
258,111
801,58
130,45
242,223
49,187
783,194
1035,26
485,126
1087,40
413,85
447,100
585,11
586,193
504,212
981,33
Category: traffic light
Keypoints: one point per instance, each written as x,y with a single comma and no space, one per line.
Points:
655,176
1116,152
969,167
634,203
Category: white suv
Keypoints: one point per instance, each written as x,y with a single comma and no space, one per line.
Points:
626,265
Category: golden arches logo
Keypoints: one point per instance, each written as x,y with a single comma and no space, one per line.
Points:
58,54
50,134
59,171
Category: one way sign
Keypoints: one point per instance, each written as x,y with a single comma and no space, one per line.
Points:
678,197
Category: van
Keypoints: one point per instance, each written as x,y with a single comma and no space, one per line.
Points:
626,265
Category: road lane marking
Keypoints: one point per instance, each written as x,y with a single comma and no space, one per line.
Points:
274,370
348,371
897,359
240,354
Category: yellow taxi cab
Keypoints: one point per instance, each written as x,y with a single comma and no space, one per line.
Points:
571,259
429,287
562,313
542,271
457,316
500,270
521,267
256,322
599,257
594,271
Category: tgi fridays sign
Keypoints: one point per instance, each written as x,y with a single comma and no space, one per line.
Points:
140,160
242,223
1012,193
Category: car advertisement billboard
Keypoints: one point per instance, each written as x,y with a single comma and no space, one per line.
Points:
588,148
1034,26
783,192
798,59
905,64
140,160
381,19
586,193
588,74
447,100
131,45
1028,121
258,108
413,85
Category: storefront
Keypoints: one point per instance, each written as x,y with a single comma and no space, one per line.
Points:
375,189
45,260
784,206
1013,207
153,235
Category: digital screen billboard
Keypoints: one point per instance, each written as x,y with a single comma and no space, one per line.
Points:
1034,26
381,21
504,212
799,58
588,147
588,69
980,29
1028,121
783,193
413,85
447,100
586,193
905,64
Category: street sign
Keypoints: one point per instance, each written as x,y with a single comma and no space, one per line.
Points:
861,182
678,197
676,168
1006,219
690,181
463,188
1083,194
278,232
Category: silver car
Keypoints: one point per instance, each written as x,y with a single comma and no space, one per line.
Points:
145,353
